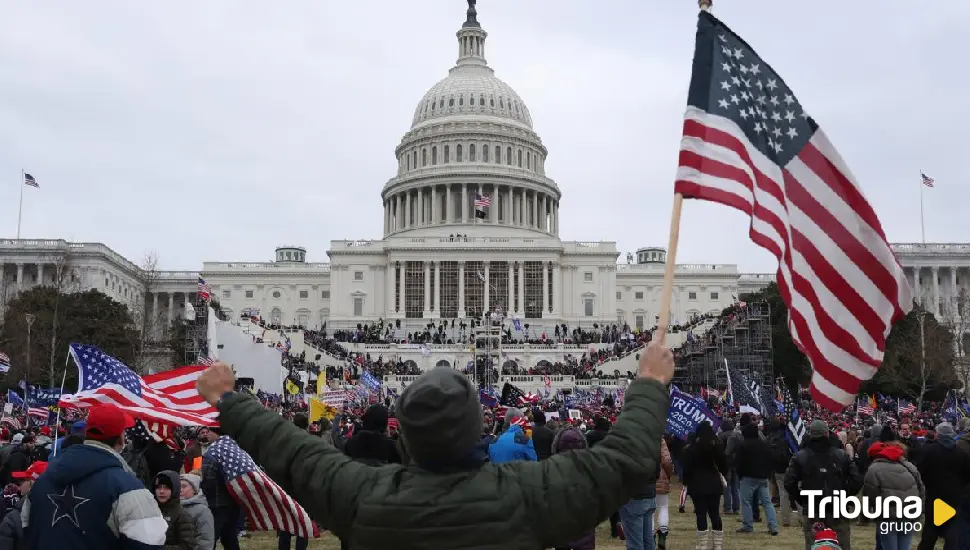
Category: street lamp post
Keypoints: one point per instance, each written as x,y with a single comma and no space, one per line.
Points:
30,321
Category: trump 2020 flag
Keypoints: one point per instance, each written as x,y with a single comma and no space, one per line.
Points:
686,412
750,145
267,506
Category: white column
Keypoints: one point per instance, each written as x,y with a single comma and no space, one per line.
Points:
435,216
421,217
403,304
427,288
154,315
543,224
449,208
521,308
20,276
464,203
485,294
936,291
535,209
493,211
389,307
461,280
917,294
510,307
556,290
954,292
545,288
508,207
171,309
437,288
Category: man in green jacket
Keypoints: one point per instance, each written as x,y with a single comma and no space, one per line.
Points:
449,497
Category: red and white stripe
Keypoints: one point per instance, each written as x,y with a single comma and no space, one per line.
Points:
268,507
837,274
168,397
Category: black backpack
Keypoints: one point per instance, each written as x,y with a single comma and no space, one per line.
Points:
139,465
822,472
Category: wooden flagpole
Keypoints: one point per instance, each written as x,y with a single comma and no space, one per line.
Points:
663,321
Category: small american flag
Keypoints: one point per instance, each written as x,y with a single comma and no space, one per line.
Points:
748,144
482,201
206,361
905,407
927,181
4,362
104,379
864,407
204,291
267,506
29,180
42,414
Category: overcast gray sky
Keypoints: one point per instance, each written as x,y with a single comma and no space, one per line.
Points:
219,130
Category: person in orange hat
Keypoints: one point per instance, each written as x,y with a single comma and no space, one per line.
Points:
90,486
11,527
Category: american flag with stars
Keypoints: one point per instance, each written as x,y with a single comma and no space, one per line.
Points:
267,506
927,181
750,145
154,431
105,379
204,290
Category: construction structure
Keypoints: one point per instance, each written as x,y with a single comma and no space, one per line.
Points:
196,331
487,349
741,337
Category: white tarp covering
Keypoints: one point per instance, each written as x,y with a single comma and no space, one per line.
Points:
257,361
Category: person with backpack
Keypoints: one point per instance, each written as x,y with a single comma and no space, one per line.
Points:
820,466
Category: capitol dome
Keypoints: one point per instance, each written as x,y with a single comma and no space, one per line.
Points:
471,157
471,90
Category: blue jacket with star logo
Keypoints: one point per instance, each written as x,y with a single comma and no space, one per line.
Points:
89,499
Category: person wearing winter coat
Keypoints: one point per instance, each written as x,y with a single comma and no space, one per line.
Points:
542,436
11,528
781,454
118,512
563,441
732,491
891,475
194,504
514,444
755,466
704,465
663,495
181,530
371,442
946,475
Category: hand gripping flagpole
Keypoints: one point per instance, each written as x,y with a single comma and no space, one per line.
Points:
663,320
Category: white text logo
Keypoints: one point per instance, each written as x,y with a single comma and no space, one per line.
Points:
892,510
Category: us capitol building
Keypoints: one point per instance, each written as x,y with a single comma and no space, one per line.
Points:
471,137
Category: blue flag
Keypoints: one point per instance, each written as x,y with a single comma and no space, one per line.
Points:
686,412
14,397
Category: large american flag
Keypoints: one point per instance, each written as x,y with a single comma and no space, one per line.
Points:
749,144
168,398
482,201
267,506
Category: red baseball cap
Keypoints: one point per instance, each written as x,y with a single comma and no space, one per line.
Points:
107,421
32,473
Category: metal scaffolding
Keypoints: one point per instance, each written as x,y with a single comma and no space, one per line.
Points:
742,337
196,333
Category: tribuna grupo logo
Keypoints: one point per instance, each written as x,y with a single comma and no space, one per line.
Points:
897,514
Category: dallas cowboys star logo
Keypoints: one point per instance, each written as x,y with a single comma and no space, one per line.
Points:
65,506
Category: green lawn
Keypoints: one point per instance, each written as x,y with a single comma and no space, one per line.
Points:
682,536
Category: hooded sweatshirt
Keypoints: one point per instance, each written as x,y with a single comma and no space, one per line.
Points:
566,440
180,534
91,486
369,444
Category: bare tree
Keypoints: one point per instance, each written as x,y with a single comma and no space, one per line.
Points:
958,321
64,281
149,333
919,357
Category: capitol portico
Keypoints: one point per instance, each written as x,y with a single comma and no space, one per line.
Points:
470,224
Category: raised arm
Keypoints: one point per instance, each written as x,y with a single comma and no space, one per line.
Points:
321,478
572,492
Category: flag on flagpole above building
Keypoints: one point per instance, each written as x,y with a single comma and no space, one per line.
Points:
30,181
927,181
750,145
482,202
